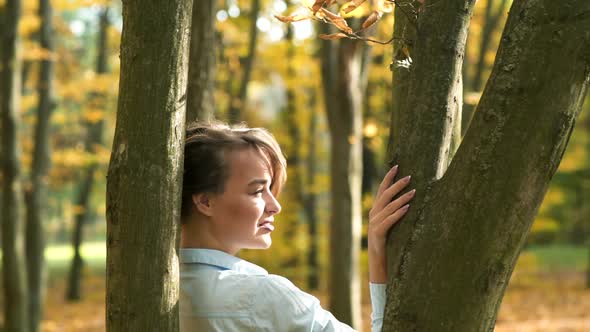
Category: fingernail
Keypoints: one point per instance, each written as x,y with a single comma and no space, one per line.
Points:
412,192
407,178
394,168
406,207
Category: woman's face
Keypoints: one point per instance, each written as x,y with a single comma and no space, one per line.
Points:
242,216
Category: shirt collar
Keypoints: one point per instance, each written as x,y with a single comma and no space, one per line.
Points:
221,259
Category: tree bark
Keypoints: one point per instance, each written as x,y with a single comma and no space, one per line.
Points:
93,137
145,171
342,75
13,260
451,258
200,103
37,198
236,105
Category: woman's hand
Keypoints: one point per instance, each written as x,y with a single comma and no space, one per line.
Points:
384,214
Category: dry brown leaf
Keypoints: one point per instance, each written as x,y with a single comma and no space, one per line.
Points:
317,5
374,17
352,5
333,36
291,19
337,20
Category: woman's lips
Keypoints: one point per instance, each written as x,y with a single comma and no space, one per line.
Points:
267,225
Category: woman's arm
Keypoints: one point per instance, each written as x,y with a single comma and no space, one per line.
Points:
384,214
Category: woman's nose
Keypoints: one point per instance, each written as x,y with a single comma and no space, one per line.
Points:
273,206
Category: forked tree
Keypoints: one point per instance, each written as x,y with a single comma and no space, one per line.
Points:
452,256
450,259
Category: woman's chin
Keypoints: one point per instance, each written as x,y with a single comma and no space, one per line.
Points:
264,242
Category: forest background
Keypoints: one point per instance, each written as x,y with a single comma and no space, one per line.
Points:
262,68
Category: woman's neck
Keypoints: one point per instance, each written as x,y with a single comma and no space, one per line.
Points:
196,234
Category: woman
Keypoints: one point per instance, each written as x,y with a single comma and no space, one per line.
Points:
232,177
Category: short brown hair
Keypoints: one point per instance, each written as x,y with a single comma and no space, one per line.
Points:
205,165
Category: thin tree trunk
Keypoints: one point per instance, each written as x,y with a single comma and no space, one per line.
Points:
37,203
200,104
310,200
236,105
94,136
489,27
13,260
294,160
341,77
26,70
145,172
452,256
74,282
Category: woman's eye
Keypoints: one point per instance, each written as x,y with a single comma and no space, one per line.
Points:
258,192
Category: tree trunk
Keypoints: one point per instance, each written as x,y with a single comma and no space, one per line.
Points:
145,172
201,72
236,105
310,200
451,258
489,27
37,202
94,136
294,159
13,260
341,76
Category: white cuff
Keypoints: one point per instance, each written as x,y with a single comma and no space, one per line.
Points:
377,292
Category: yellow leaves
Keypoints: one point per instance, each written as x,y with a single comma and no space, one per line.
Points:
32,51
545,225
554,196
105,84
573,158
28,102
77,4
71,158
101,154
77,157
93,115
58,118
29,24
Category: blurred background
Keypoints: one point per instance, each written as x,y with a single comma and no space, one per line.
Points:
549,289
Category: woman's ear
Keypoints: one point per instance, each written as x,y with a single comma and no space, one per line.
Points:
203,203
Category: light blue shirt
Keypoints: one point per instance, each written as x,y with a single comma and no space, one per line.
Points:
221,292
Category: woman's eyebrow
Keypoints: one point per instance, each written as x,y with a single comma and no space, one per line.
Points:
258,181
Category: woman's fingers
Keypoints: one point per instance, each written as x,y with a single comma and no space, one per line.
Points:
393,206
382,200
387,180
393,219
